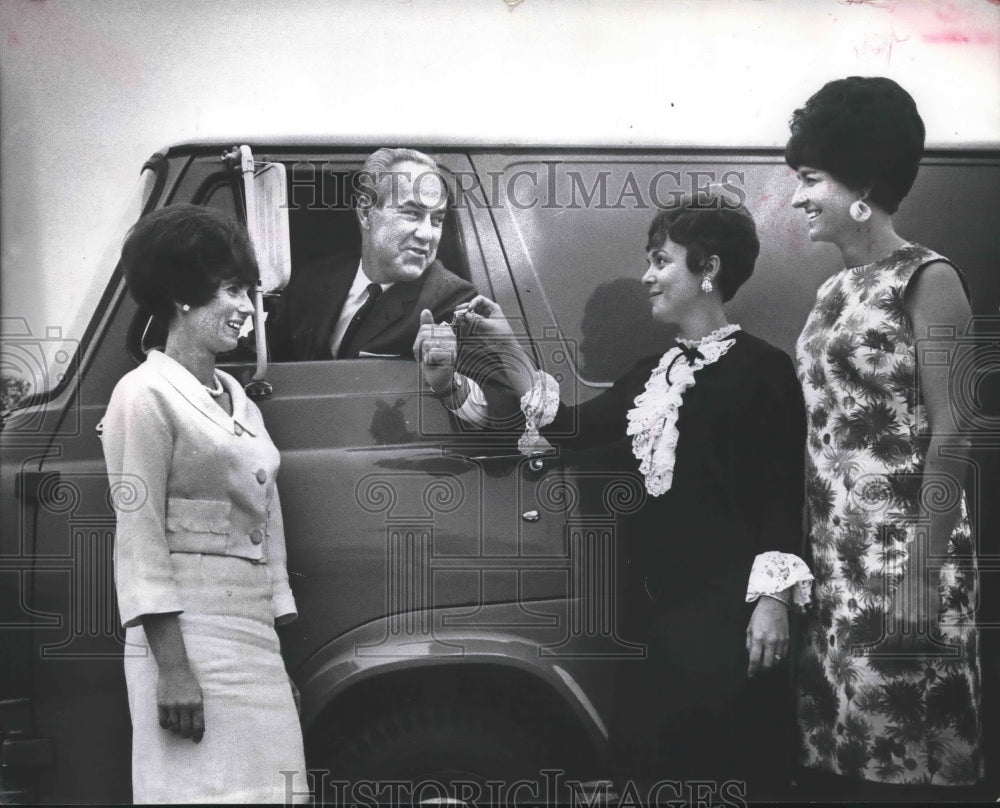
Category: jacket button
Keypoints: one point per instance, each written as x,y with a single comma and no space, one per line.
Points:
256,535
261,476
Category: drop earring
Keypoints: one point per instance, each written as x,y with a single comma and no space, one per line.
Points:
706,285
860,210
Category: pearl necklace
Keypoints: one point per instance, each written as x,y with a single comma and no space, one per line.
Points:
216,391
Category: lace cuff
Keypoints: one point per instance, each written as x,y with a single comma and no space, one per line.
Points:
774,572
539,406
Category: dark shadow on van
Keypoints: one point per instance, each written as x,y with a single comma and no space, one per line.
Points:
618,330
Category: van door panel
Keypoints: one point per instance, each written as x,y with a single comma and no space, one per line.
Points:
77,641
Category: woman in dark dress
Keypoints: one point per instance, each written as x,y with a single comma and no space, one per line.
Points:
716,427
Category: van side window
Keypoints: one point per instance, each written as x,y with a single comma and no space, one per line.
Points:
222,197
583,224
588,256
323,224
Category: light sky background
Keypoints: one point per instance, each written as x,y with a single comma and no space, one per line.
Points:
90,88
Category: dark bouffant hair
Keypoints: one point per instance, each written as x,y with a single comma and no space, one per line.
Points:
707,225
182,253
866,132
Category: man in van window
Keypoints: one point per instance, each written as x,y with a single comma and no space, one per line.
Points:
369,304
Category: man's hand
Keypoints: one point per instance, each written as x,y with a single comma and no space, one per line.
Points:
436,349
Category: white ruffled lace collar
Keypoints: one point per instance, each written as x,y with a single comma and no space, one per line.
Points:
652,423
716,336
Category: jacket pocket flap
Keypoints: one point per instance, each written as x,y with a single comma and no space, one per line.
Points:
198,515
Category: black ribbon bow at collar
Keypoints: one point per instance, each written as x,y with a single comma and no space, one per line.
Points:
691,354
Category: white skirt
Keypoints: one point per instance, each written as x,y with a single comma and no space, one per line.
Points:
252,748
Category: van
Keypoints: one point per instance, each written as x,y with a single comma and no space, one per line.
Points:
456,619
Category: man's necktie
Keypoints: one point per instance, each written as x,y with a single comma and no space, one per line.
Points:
374,290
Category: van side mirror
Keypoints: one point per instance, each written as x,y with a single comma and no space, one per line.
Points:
265,194
265,190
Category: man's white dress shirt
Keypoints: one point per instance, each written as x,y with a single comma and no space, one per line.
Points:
473,410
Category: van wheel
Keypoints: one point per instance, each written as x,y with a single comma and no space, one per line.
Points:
440,743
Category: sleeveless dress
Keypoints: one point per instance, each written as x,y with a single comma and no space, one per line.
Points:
862,712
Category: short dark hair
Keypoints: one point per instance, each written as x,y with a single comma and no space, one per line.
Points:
710,224
182,253
866,132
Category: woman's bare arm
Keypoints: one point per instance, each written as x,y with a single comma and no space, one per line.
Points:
178,694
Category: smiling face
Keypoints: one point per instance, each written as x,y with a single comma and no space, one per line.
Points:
826,203
674,290
217,324
401,232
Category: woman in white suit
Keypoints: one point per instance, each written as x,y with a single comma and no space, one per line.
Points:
199,549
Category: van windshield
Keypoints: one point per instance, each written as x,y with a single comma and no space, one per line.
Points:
33,365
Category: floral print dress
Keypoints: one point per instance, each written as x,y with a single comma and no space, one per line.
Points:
864,712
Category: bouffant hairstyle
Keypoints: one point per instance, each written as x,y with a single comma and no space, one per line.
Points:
182,254
866,132
707,225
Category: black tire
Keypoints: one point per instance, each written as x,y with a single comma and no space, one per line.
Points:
442,743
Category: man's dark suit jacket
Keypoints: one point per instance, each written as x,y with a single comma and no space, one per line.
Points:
310,306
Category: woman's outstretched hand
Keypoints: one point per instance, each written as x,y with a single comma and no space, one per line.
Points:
483,323
767,635
485,320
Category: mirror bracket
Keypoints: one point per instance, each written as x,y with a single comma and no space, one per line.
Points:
258,390
266,198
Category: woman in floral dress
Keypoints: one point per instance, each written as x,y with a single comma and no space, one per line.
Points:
889,683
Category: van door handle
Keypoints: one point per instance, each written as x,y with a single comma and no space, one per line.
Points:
502,463
536,462
464,456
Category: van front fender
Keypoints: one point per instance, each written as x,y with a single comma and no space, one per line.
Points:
527,638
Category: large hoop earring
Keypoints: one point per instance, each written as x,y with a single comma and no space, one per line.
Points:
860,210
706,285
